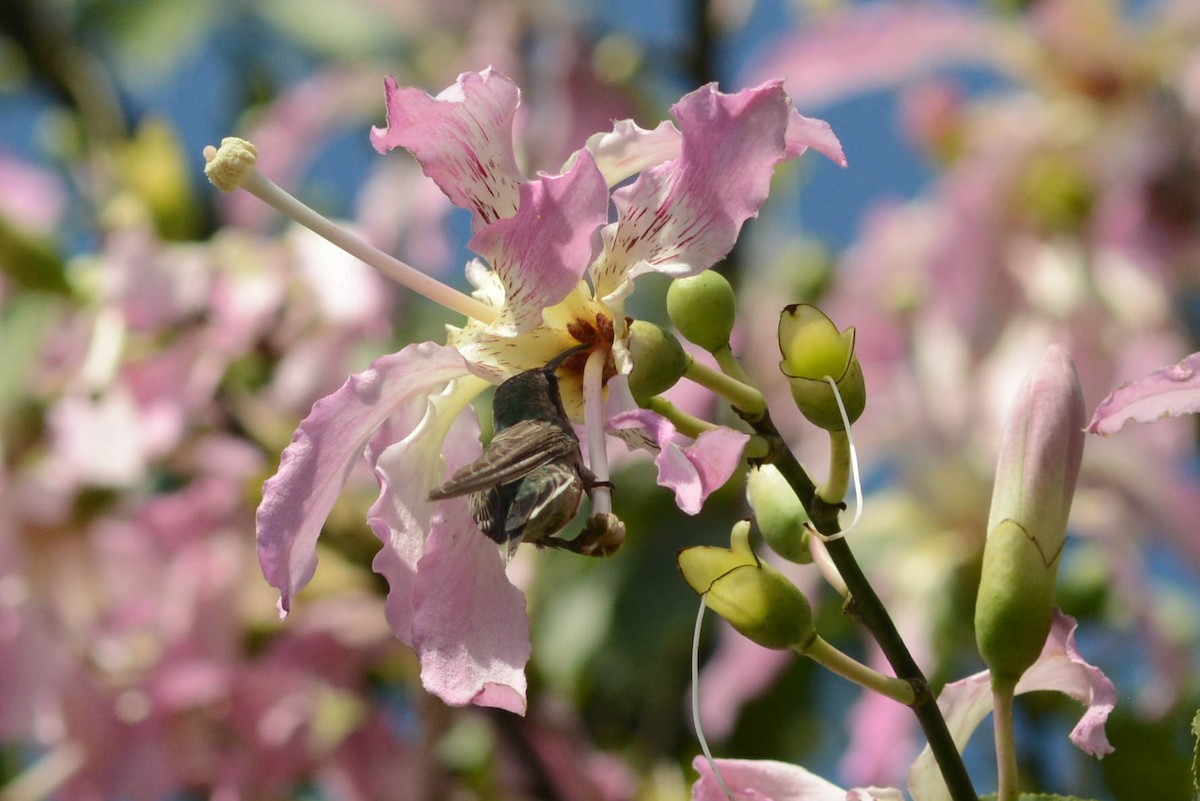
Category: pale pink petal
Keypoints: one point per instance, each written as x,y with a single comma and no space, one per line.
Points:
542,251
297,499
693,470
1166,392
805,132
682,216
463,139
761,780
470,630
628,149
411,453
866,47
967,702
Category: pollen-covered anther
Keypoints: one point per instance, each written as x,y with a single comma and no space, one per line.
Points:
228,166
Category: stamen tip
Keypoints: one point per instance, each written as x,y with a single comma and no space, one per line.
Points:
227,167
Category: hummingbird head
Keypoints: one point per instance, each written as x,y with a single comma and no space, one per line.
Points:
533,394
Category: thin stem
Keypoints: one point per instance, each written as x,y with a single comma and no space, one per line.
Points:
833,491
686,424
824,654
1006,748
247,177
866,606
745,398
593,420
729,364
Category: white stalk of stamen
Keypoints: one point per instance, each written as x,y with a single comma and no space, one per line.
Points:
696,701
824,563
233,166
858,498
593,421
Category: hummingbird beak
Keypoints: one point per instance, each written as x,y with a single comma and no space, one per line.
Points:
553,364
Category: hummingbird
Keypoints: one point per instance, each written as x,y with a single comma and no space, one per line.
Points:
531,479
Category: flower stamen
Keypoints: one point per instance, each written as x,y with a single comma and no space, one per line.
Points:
232,167
593,420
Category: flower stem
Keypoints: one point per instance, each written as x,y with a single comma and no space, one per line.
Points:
748,400
233,166
1006,749
865,605
684,423
729,364
833,491
847,667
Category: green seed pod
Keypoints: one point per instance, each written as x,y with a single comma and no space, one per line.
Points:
780,515
702,308
658,360
756,599
813,349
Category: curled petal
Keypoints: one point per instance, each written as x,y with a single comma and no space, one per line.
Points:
627,149
805,132
681,216
967,702
463,139
472,636
693,470
542,251
314,467
1166,392
762,780
413,452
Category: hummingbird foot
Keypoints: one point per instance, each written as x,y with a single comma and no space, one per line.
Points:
602,535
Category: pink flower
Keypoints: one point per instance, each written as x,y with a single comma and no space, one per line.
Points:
1166,392
540,238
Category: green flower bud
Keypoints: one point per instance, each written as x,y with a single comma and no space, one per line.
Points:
813,349
702,308
658,360
780,515
1031,499
756,599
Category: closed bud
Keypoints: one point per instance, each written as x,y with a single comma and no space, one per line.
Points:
779,513
756,599
814,350
1035,481
658,360
702,307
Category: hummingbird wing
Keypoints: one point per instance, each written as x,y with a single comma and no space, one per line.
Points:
530,509
512,454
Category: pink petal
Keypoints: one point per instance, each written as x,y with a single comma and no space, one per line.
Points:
967,702
860,48
761,780
1166,392
470,630
448,595
542,251
628,149
463,139
691,471
682,216
805,132
297,499
411,453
